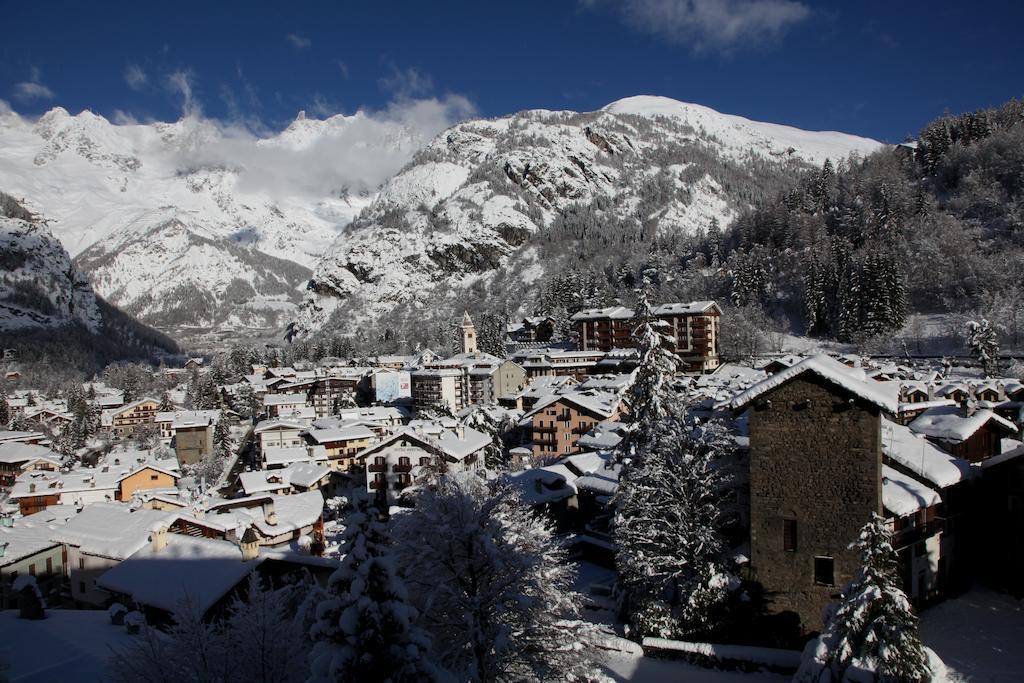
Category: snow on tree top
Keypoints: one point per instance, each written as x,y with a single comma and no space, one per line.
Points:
882,394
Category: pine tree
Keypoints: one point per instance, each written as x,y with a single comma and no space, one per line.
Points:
651,396
983,341
166,405
223,447
668,528
495,587
366,629
5,411
871,633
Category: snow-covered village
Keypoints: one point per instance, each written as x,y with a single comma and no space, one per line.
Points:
458,342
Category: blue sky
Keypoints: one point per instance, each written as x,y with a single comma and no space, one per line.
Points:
880,69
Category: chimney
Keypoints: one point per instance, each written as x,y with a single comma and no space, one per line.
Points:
158,538
269,513
250,545
966,408
460,431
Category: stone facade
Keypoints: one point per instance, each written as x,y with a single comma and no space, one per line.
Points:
815,479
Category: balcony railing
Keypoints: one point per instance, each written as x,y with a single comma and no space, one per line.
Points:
916,534
377,467
402,468
545,429
377,485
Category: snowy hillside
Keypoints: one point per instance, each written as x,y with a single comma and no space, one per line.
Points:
39,286
191,222
477,196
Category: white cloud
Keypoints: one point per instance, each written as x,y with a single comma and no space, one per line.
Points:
298,42
135,77
406,83
181,83
123,118
32,89
710,24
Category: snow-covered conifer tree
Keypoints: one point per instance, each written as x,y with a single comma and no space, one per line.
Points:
365,629
983,341
871,633
668,527
494,587
651,397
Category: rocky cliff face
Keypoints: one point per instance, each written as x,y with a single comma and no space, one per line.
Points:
39,285
481,195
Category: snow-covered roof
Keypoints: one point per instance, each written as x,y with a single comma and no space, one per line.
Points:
604,436
182,419
344,433
27,536
852,380
110,529
284,400
456,442
17,452
285,455
278,423
303,474
201,570
922,457
949,424
541,485
612,312
293,512
903,495
602,403
691,308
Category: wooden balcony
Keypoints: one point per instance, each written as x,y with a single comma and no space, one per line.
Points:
377,485
377,467
402,468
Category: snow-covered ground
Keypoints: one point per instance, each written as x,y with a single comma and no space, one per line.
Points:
979,636
68,645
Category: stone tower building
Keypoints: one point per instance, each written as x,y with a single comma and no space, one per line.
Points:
815,478
468,334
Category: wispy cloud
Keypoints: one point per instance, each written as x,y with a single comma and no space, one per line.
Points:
135,77
298,42
709,25
406,83
32,89
343,68
180,83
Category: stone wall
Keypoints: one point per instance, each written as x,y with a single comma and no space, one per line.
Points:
815,457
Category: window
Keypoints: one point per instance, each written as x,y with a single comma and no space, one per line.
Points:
49,565
32,569
81,586
824,571
81,563
154,477
789,535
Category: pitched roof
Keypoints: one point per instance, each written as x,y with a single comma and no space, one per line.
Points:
833,372
110,529
947,423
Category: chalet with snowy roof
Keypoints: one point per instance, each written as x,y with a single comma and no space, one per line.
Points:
558,421
393,464
826,449
26,549
98,538
277,520
297,477
19,436
537,388
342,444
280,433
964,431
532,329
16,458
40,489
122,422
281,404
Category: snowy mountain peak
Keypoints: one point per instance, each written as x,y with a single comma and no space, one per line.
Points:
477,201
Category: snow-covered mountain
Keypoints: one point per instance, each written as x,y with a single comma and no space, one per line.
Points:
479,196
39,286
193,223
